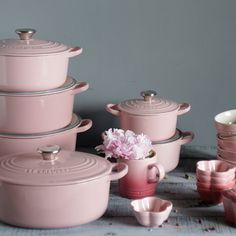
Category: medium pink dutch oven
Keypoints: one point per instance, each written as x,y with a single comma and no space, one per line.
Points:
28,64
42,111
65,137
168,151
152,116
55,189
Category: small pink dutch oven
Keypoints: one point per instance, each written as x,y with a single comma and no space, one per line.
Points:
29,64
55,189
168,151
151,115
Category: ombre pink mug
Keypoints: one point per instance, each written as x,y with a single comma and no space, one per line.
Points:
142,177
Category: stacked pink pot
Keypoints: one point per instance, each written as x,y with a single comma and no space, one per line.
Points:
213,178
225,124
37,95
157,118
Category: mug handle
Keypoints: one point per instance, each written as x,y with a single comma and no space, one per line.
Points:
160,173
118,171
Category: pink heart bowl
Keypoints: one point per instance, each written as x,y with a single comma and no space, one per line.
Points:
151,211
215,168
214,180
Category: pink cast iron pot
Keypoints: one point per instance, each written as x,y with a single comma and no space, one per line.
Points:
29,64
168,151
43,111
152,116
65,137
55,189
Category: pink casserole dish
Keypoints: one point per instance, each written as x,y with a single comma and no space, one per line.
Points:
55,189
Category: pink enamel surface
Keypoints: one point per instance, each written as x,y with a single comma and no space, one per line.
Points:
158,127
229,210
40,207
151,211
34,114
66,140
168,153
141,179
215,168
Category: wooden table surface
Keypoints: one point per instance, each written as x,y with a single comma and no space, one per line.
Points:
189,215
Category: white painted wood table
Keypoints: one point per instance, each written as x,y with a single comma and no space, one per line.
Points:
189,216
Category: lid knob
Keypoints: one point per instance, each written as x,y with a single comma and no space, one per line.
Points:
25,33
148,95
49,152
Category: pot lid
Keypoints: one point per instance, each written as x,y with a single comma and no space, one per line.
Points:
75,122
26,45
52,166
230,194
149,105
68,85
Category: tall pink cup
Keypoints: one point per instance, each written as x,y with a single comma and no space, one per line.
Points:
142,177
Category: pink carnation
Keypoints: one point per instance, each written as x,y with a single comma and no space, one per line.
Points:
118,143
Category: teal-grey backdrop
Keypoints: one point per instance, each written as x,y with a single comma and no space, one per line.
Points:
183,49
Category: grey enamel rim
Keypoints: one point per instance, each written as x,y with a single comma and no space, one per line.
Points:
178,134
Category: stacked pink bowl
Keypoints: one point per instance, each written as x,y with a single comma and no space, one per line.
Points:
213,178
225,124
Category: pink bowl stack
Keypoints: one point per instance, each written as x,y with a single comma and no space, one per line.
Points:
225,124
213,178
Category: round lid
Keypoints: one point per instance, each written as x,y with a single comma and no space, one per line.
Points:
68,85
51,167
149,105
26,45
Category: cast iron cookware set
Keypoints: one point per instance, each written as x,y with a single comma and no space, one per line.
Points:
44,182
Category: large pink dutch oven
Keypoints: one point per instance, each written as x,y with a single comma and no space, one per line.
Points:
65,137
28,64
42,111
55,189
152,116
168,151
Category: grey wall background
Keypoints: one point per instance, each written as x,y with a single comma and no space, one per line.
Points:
184,49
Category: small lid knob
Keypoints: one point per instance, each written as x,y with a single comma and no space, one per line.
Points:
25,33
49,152
148,95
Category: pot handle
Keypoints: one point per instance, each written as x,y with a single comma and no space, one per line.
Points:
75,51
85,125
118,171
183,108
113,109
80,87
160,173
187,137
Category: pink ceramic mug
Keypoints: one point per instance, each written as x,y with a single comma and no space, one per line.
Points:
142,177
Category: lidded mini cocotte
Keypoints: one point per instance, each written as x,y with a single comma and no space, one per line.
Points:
52,166
26,45
153,116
